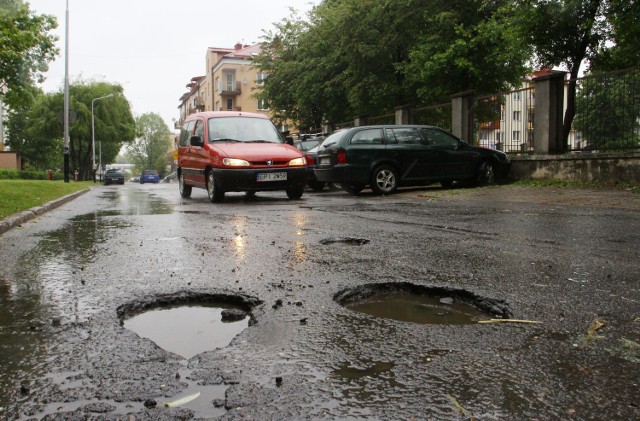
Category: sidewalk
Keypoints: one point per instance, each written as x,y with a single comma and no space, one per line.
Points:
20,218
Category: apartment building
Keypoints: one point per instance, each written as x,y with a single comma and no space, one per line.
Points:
228,84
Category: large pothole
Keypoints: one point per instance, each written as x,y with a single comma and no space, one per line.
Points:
189,324
421,304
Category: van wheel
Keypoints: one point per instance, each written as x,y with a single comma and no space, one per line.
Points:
294,193
213,191
185,190
384,180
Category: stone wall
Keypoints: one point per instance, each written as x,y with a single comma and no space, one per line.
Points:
605,168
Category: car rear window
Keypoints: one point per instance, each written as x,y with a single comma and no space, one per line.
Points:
150,172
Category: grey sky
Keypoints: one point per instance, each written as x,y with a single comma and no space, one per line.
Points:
154,47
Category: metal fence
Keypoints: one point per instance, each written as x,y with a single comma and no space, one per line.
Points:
607,112
505,121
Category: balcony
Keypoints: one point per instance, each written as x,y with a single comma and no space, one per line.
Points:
230,89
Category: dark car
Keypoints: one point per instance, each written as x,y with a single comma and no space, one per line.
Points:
114,176
386,157
149,176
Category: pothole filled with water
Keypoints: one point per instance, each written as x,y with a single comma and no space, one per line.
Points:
188,328
418,304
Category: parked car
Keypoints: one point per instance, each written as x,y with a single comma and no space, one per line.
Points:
224,151
386,157
114,176
149,176
312,158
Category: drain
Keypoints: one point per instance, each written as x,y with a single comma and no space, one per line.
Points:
418,304
189,325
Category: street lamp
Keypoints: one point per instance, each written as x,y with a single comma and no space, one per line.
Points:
93,134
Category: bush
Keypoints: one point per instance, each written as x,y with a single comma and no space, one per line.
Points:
7,174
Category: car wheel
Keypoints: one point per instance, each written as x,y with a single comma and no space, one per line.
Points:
316,185
294,193
384,180
213,191
185,190
486,174
353,189
447,184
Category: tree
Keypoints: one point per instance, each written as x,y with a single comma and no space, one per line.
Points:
624,42
565,33
27,48
366,57
114,126
149,151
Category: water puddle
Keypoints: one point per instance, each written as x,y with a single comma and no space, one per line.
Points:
136,202
188,330
345,240
374,369
418,304
407,307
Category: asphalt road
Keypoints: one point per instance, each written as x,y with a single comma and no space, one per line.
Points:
564,259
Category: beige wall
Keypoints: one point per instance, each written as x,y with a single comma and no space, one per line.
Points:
10,160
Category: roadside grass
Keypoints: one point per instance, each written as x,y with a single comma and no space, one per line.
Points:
20,195
634,188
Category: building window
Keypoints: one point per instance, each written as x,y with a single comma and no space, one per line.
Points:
516,96
229,81
261,78
516,116
230,104
501,113
498,137
515,135
263,104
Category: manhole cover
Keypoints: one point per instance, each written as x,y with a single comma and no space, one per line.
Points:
417,304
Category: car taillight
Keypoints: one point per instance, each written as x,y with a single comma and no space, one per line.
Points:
342,156
310,160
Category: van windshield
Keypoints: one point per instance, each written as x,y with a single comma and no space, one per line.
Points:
242,129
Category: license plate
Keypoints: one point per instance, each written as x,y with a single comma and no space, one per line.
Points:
271,176
325,161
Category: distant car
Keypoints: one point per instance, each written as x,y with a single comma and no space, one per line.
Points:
149,176
114,176
386,157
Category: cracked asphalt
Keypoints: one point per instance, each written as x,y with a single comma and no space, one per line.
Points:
565,258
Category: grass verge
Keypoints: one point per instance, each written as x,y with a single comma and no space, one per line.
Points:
20,195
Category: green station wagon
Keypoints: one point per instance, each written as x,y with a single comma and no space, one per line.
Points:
386,157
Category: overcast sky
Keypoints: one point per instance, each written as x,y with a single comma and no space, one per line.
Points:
154,47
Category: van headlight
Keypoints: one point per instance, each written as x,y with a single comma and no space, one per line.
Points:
233,162
298,162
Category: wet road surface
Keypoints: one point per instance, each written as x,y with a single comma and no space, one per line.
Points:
565,259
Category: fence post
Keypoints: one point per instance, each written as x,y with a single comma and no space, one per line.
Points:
462,115
360,120
547,114
404,115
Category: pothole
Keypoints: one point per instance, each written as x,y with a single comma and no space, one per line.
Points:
188,326
420,304
345,240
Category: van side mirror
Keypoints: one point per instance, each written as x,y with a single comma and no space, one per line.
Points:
196,141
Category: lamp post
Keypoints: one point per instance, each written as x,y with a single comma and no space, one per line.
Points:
93,134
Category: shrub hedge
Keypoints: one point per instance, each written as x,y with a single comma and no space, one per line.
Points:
7,174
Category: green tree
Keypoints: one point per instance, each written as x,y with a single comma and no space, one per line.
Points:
624,42
149,150
565,33
114,126
366,57
27,46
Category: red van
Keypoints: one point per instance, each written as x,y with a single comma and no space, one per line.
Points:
233,151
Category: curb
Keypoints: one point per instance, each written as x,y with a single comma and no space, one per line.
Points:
20,218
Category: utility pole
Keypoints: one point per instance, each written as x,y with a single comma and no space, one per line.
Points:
66,97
